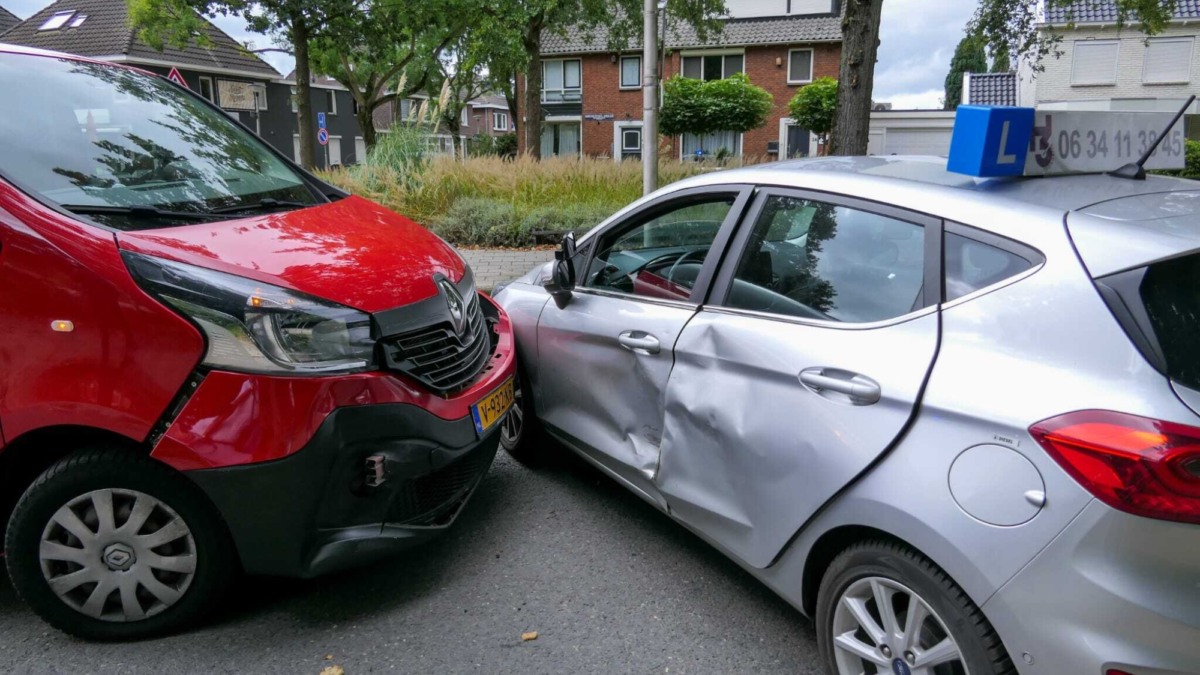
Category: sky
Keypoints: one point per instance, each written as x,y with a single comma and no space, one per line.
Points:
917,39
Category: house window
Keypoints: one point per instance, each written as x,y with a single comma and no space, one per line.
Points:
354,105
465,116
631,139
499,121
58,20
360,150
631,72
710,67
1095,62
710,146
206,89
561,139
295,104
562,81
335,150
331,99
79,21
260,95
405,109
1168,60
800,66
296,148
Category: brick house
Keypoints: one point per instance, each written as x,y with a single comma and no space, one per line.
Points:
592,98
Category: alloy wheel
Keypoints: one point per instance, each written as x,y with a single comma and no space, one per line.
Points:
881,626
117,555
510,427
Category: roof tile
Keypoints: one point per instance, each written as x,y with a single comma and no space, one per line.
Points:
7,20
1105,11
993,89
106,32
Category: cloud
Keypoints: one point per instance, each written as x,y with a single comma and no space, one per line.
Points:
916,40
918,101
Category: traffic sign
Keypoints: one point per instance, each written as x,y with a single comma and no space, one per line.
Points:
320,120
175,77
323,137
990,140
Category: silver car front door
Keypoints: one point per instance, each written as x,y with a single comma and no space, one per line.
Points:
604,358
802,370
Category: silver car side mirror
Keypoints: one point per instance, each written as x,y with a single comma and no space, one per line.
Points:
562,279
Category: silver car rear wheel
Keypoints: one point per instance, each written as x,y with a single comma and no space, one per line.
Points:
117,555
883,624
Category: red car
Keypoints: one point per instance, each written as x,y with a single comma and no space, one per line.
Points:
210,360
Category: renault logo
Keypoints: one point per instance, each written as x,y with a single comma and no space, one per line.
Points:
458,308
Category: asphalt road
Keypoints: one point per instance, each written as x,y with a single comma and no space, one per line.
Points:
610,585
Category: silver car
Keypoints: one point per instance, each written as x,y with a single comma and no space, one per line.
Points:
952,420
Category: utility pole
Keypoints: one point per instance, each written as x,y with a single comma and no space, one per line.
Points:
650,98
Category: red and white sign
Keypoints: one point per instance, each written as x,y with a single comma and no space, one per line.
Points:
175,77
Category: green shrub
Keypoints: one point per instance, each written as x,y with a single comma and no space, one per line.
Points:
1191,167
698,107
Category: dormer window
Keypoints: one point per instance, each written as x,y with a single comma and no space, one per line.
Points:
59,20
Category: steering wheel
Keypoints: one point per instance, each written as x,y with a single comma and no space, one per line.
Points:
671,272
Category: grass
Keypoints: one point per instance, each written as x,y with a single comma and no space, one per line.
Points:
523,184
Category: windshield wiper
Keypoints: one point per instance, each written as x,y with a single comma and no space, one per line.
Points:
267,204
138,211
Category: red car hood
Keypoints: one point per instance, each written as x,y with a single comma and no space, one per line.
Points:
353,252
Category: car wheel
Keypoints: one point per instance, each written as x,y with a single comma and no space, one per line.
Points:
109,544
883,608
520,433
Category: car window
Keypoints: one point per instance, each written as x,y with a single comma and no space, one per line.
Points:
93,137
660,257
1170,292
817,260
972,265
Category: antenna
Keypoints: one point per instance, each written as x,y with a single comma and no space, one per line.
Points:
1135,170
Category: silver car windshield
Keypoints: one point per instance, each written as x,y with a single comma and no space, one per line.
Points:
129,149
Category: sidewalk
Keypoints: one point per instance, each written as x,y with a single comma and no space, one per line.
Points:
491,266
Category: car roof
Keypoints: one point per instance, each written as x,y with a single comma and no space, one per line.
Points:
20,50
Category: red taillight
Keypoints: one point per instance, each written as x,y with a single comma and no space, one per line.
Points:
1138,465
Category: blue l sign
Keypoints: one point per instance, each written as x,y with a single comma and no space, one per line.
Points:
320,120
990,140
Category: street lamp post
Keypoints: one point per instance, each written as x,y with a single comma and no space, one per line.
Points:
650,99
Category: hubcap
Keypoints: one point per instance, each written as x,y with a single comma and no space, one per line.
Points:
510,427
877,618
117,555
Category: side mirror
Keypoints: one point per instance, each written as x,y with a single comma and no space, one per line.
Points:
562,281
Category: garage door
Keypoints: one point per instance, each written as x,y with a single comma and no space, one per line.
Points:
918,141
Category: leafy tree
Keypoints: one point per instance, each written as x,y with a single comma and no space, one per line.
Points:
522,24
385,52
860,46
296,23
731,104
1012,26
1001,62
969,57
814,106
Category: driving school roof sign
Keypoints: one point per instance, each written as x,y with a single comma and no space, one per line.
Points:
992,141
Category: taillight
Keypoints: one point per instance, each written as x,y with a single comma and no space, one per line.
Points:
1138,465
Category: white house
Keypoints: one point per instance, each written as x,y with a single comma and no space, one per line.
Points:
1103,68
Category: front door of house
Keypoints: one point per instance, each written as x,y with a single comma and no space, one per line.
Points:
797,141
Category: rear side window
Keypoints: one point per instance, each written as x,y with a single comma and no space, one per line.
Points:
972,265
1171,294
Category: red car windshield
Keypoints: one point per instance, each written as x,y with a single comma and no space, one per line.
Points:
130,150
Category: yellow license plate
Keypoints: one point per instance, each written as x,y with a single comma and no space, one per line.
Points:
493,406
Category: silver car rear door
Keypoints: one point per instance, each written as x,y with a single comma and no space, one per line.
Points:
604,358
805,365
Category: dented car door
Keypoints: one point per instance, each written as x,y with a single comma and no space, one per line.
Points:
611,346
818,337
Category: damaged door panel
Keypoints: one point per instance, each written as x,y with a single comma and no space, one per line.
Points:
818,338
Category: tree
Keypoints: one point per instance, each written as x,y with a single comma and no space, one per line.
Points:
295,22
462,81
1015,26
856,77
814,106
699,107
1001,63
524,22
385,52
969,57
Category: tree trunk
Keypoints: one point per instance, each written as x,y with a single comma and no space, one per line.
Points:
305,125
532,41
860,44
366,122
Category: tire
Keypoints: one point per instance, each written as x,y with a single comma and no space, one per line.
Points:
880,568
181,549
526,443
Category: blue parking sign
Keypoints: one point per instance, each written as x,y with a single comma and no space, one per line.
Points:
320,120
990,140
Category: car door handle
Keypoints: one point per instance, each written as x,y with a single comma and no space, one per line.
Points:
861,390
639,342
